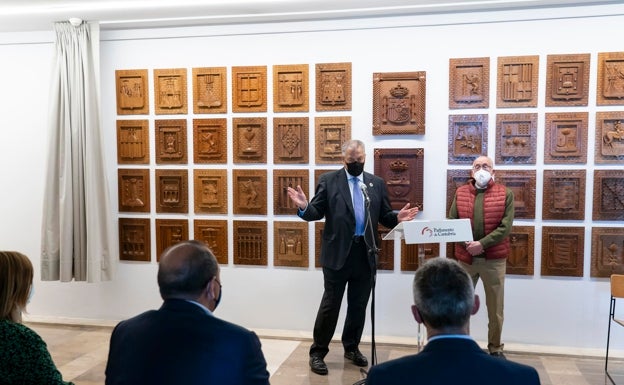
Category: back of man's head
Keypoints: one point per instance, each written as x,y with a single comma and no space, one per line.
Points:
443,294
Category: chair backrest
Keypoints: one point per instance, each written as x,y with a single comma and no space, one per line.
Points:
617,285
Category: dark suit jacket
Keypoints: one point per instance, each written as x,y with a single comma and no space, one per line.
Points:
332,200
452,361
181,344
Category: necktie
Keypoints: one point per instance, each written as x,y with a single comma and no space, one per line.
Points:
358,207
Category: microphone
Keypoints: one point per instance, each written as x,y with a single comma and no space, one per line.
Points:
365,192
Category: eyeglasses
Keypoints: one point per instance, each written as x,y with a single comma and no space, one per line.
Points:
483,166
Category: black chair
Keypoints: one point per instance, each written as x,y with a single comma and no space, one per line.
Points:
617,292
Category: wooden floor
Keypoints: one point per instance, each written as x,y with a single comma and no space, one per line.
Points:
80,353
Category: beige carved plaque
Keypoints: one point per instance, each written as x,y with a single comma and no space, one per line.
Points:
566,138
250,243
330,134
171,141
385,257
290,140
172,191
214,233
517,81
249,89
317,174
521,256
522,183
468,138
250,191
209,90
210,191
250,140
562,251
282,179
399,103
402,171
469,83
170,91
291,88
133,142
609,144
134,239
608,204
564,194
318,239
290,244
454,179
409,254
333,87
610,84
132,92
169,232
607,255
133,190
567,80
516,138
210,140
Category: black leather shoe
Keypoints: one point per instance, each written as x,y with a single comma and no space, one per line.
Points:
317,365
498,354
356,357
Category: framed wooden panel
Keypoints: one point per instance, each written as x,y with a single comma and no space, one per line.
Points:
610,83
562,251
607,256
210,140
409,254
566,138
282,179
608,204
564,194
385,260
454,179
290,140
250,191
318,172
249,89
333,87
210,191
214,233
468,138
567,80
318,240
135,239
469,83
399,103
171,141
133,142
170,92
521,257
517,81
172,191
402,171
132,92
516,138
330,134
209,90
522,183
133,190
291,88
169,232
250,243
250,140
609,143
290,244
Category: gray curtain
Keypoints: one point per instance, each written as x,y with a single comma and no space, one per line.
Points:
77,240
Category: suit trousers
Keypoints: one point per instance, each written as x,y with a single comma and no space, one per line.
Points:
356,273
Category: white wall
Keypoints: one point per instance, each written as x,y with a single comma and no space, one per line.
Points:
566,313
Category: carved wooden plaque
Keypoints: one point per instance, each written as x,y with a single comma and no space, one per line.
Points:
609,144
317,174
132,92
399,103
469,83
385,257
517,81
250,140
608,204
402,171
282,179
318,239
214,233
330,134
170,91
516,138
567,80
133,190
133,142
210,140
522,183
211,191
409,254
290,244
610,84
607,255
521,260
566,138
291,88
249,89
250,243
454,179
169,232
564,194
250,191
171,141
333,87
468,138
172,191
134,239
209,90
562,251
290,140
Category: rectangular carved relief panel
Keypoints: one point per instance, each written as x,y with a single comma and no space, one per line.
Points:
567,80
250,191
133,142
468,138
409,254
132,92
566,138
517,81
170,91
521,259
210,140
290,244
385,257
564,194
609,144
562,251
250,138
290,140
209,90
469,83
399,103
169,232
522,183
171,141
318,172
282,179
249,89
454,179
133,190
516,138
607,255
134,239
402,171
250,243
608,204
610,84
330,134
214,233
291,87
333,87
211,191
172,191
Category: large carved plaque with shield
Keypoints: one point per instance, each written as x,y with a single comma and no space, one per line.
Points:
608,204
290,140
607,255
132,92
214,233
290,244
567,80
133,190
516,138
333,87
250,243
468,138
402,171
469,83
282,180
521,256
564,194
610,82
330,134
169,232
291,86
170,94
133,142
562,251
517,81
250,191
134,239
211,191
399,103
566,138
609,144
210,140
209,90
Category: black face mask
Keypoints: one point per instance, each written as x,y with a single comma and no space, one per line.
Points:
218,298
355,168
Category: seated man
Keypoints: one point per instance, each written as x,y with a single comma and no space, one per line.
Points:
444,300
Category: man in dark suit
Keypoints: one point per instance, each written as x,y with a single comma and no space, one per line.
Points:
444,300
346,251
183,342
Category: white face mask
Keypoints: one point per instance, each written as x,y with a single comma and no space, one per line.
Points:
482,178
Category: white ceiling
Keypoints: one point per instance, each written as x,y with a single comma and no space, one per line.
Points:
38,15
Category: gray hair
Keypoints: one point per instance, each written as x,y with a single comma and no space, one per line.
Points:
353,143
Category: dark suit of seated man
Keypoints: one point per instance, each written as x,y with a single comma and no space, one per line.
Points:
444,300
183,342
